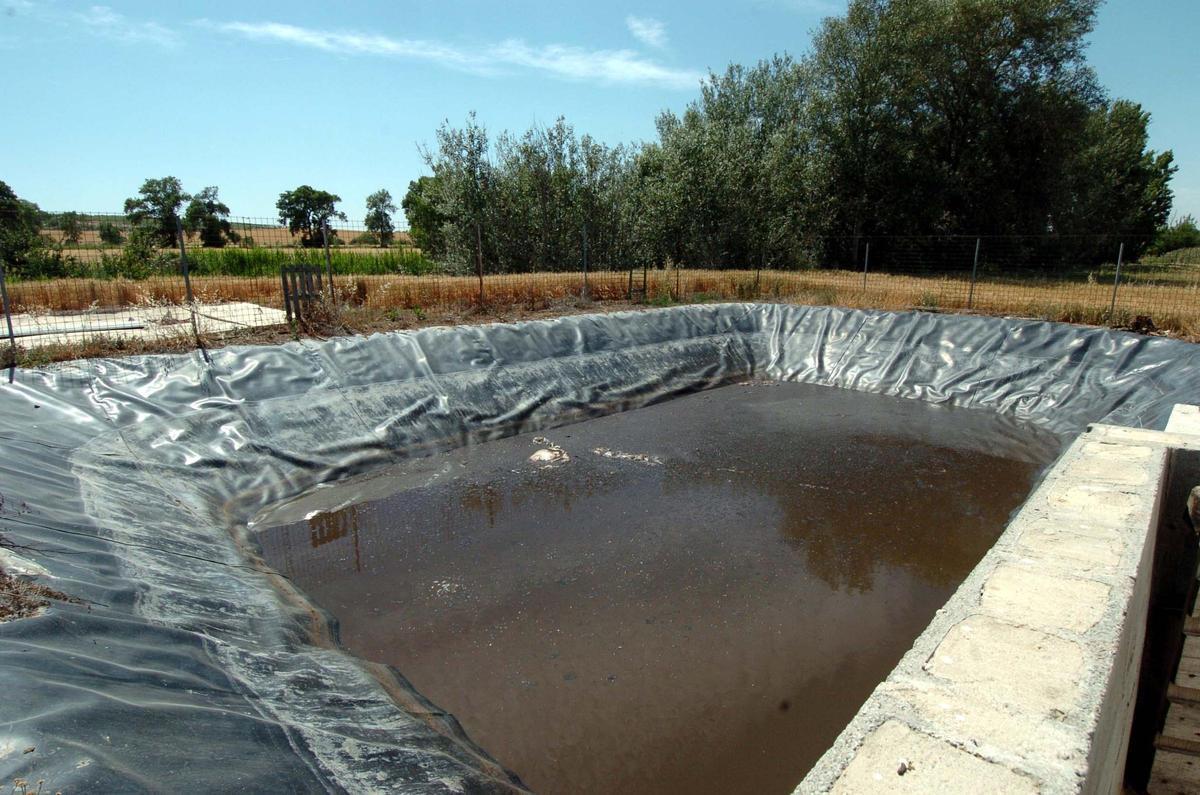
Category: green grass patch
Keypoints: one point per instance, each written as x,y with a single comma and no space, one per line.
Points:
233,261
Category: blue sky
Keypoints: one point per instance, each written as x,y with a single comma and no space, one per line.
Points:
258,97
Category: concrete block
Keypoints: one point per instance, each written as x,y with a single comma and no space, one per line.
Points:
1095,549
1010,665
1095,504
1117,464
1020,595
1184,419
894,758
993,731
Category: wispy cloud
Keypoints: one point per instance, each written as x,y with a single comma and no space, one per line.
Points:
558,60
647,30
103,21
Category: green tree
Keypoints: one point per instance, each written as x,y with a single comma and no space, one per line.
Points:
306,210
157,207
933,117
208,216
465,192
424,219
380,209
24,253
1115,183
527,203
1180,233
110,233
71,226
732,167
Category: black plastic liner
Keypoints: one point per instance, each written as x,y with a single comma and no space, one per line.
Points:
129,483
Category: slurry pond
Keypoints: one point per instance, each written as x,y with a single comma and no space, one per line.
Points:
695,596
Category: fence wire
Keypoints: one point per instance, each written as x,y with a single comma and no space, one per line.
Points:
98,289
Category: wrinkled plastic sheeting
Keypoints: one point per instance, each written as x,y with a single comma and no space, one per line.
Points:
185,666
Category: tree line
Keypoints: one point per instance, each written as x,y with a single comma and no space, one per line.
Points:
162,210
908,118
158,215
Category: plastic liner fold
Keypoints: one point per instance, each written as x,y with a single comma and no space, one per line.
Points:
186,666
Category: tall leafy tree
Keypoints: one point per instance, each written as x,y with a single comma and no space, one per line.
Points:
1115,182
23,250
157,207
935,117
425,220
922,118
305,210
208,216
380,209
465,191
733,165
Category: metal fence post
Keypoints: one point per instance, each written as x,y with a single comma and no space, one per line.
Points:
12,336
287,299
328,261
479,259
974,271
187,287
183,261
1112,305
584,295
866,264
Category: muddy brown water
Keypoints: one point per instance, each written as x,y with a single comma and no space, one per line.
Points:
703,609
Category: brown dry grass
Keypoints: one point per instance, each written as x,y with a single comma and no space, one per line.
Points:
372,303
22,598
1172,308
265,236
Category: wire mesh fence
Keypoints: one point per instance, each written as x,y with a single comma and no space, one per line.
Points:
102,287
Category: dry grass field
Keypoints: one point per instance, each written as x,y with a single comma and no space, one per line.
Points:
1172,308
89,247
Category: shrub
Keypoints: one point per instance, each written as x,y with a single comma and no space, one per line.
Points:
1182,233
110,234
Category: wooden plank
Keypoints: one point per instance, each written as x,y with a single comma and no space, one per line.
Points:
1174,774
1183,722
1164,743
1184,694
1191,626
1191,647
1190,665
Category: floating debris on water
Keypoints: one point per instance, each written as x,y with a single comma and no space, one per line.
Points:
550,454
641,458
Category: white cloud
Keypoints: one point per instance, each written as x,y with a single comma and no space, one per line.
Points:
103,21
558,60
647,30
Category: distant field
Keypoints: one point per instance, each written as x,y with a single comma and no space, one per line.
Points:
1182,256
265,236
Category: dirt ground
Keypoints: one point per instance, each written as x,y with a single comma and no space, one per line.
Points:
22,598
347,321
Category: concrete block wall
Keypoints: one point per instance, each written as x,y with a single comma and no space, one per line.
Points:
1025,681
